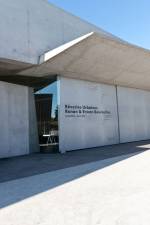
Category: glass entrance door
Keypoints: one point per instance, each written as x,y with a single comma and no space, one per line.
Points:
47,117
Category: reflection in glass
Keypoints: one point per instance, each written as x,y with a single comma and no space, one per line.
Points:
47,116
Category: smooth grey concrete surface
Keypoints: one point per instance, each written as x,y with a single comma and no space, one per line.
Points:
111,191
41,28
36,26
14,117
18,126
24,166
134,114
36,29
99,59
81,130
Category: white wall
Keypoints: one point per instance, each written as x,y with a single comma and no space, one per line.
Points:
134,114
29,28
14,120
92,130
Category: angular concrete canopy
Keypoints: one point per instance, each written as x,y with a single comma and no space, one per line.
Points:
96,58
8,66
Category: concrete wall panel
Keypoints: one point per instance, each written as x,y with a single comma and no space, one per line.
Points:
80,130
35,27
14,120
134,114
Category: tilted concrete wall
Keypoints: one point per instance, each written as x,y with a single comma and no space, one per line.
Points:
130,120
134,114
79,129
35,27
15,133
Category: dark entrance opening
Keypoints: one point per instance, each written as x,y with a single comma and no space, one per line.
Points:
47,118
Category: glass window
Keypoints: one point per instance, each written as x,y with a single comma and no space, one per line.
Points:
46,101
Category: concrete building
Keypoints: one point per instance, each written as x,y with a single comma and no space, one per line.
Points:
100,84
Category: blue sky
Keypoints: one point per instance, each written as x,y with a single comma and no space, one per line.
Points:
128,19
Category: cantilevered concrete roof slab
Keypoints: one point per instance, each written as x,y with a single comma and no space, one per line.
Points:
99,59
8,66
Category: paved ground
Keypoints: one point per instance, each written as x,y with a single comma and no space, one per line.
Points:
19,167
112,191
